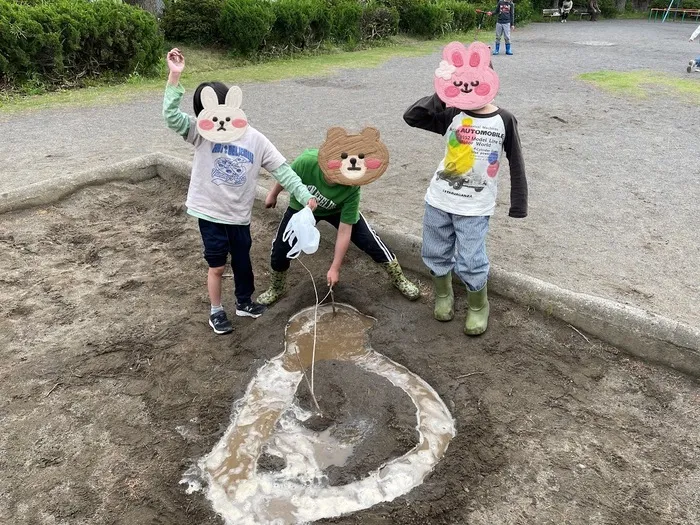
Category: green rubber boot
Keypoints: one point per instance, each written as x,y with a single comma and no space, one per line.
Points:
444,297
478,312
409,290
276,289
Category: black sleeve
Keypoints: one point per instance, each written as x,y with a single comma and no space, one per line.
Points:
430,113
518,182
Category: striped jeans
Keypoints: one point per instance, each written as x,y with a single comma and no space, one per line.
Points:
504,30
458,242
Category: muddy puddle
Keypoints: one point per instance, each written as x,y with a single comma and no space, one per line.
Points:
269,419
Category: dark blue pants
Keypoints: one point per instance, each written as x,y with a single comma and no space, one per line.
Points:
220,240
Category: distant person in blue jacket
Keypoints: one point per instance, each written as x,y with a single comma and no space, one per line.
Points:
505,21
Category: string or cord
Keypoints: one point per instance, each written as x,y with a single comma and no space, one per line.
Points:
313,349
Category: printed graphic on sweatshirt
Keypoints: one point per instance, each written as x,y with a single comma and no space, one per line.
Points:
323,202
468,150
232,169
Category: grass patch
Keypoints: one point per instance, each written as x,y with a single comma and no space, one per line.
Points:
642,84
203,64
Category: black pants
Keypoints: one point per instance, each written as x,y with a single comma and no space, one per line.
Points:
564,16
220,240
362,236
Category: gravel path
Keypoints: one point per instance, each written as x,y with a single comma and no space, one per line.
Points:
614,181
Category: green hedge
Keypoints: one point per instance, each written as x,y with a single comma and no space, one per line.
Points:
250,26
245,24
346,21
64,40
195,21
379,22
463,15
426,19
300,23
685,4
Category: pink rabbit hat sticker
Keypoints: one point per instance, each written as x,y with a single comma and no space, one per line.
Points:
464,79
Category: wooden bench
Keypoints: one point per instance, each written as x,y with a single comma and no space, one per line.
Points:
580,11
551,13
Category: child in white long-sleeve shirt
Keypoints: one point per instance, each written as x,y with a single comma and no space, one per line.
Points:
461,196
227,160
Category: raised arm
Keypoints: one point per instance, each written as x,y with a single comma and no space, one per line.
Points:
176,119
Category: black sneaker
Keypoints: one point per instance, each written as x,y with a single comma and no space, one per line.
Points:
251,309
220,323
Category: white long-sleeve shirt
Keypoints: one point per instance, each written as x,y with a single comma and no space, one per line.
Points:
695,33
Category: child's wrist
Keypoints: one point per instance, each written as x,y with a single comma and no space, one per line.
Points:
174,78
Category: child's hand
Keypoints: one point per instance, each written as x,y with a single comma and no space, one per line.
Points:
271,200
176,61
333,277
312,204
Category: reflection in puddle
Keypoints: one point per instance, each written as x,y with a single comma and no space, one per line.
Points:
267,421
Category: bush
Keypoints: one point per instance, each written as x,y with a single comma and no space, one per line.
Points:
523,11
463,15
192,20
426,19
65,40
245,24
402,7
346,19
300,23
608,9
379,22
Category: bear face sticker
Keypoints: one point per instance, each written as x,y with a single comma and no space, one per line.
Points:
465,79
353,160
222,123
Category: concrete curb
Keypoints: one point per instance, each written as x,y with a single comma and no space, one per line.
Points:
648,336
43,193
651,337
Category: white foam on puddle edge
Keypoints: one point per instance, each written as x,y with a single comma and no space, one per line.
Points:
299,493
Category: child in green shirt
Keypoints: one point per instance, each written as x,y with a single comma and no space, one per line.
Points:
333,175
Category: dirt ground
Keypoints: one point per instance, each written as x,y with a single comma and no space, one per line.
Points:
112,385
613,179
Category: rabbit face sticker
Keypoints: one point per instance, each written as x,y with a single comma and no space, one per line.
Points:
222,123
464,79
353,160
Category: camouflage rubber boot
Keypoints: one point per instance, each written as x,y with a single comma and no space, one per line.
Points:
409,290
444,297
276,289
478,312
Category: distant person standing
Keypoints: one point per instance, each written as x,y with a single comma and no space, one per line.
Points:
694,65
566,9
505,11
594,10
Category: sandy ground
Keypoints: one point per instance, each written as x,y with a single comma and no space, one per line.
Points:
613,181
112,385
